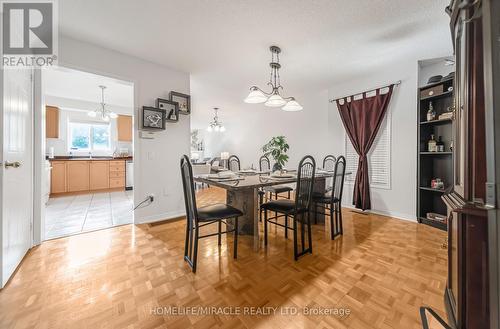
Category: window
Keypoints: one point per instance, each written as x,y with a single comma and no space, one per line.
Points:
89,136
379,157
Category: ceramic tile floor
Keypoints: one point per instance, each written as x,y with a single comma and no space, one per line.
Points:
69,215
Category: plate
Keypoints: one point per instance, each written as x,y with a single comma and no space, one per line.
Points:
248,171
282,176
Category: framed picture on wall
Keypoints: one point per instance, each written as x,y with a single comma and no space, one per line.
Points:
153,118
183,100
171,108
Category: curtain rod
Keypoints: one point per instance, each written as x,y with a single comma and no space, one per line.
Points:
395,83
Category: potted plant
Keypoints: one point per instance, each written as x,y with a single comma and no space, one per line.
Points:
276,148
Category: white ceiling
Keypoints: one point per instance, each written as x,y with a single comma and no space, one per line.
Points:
82,86
224,43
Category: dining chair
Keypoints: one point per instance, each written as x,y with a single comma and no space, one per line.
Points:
201,169
297,210
265,165
200,217
330,202
233,163
328,165
329,162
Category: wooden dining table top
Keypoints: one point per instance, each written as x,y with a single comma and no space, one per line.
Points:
245,180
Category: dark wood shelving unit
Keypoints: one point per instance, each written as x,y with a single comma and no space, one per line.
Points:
432,165
433,223
436,122
436,153
428,188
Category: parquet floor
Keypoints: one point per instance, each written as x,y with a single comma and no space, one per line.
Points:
381,271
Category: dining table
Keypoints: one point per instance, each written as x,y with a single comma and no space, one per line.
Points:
243,193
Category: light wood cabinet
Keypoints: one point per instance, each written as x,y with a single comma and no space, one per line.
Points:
77,173
58,177
51,122
99,175
116,174
124,127
116,182
82,175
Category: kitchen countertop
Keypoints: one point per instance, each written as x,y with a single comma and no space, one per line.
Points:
96,158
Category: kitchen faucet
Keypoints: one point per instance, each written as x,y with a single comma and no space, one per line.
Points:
90,155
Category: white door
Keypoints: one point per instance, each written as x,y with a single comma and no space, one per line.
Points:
17,169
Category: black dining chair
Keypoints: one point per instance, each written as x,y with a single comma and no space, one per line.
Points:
269,191
330,202
329,162
233,163
297,209
265,165
200,217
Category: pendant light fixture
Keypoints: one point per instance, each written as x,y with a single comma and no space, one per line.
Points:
273,98
103,111
215,124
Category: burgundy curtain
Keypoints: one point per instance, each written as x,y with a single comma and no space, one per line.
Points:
362,119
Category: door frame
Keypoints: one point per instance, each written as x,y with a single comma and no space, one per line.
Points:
39,144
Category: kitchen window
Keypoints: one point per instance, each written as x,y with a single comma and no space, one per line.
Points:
89,136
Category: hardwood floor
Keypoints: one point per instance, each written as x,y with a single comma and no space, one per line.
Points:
381,271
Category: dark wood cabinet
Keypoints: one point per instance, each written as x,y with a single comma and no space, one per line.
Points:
467,295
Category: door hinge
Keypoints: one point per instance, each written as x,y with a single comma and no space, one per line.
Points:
491,195
31,226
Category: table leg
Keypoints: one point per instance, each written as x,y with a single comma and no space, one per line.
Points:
246,200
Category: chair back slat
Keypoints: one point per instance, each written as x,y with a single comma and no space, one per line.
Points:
264,163
329,163
189,192
234,163
305,182
338,179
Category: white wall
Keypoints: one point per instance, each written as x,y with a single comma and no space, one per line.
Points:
252,125
156,162
60,144
429,68
400,200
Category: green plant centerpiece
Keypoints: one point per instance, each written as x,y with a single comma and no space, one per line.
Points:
277,148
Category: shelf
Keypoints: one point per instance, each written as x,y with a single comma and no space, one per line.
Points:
433,223
435,83
436,122
442,95
438,190
436,153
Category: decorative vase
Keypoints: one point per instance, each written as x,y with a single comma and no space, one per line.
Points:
277,166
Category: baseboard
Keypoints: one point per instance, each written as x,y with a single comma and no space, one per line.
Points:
160,217
386,213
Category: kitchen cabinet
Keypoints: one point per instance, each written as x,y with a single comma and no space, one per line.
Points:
58,177
99,175
51,122
124,127
116,174
77,174
85,175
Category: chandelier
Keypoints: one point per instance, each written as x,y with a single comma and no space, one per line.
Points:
215,124
273,98
103,111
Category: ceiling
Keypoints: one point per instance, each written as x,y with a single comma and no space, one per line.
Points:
224,43
82,86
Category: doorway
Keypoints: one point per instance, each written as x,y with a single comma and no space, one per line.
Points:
88,168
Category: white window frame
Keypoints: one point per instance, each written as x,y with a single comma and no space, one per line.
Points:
91,138
386,124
